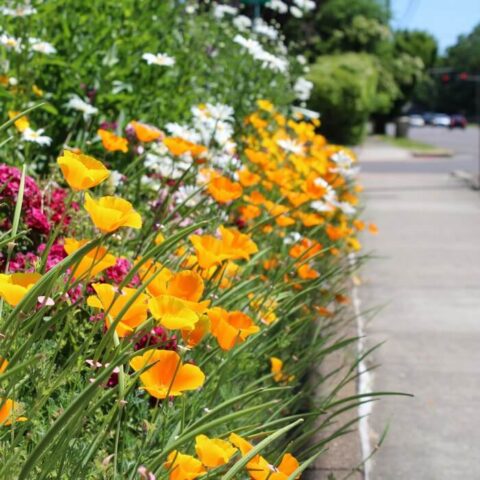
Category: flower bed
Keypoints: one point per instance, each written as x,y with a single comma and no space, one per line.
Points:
166,280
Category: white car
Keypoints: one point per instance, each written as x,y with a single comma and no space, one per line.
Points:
441,120
416,121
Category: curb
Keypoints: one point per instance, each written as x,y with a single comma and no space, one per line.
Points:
432,153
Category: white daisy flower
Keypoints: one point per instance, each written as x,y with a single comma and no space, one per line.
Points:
305,5
161,59
320,206
76,103
342,160
277,6
292,237
346,207
10,42
220,11
291,146
303,89
263,28
190,192
42,47
183,131
20,11
242,22
35,136
296,12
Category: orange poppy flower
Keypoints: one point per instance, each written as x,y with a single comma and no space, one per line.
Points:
256,198
3,364
81,171
179,146
259,469
335,232
112,142
110,213
310,219
109,300
237,245
187,285
184,467
284,221
306,272
224,190
144,132
93,262
315,186
248,178
249,212
306,248
156,276
233,245
373,229
213,452
14,287
297,198
259,158
193,337
9,411
166,375
231,328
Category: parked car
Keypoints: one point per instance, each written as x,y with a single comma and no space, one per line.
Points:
416,121
458,121
428,118
441,120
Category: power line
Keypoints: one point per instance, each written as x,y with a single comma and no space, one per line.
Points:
409,12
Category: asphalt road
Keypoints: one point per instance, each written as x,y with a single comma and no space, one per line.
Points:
464,143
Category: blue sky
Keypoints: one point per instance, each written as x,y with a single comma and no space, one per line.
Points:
445,19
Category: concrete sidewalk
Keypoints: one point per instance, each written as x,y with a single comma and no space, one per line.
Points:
426,279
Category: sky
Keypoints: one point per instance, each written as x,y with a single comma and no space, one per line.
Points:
445,19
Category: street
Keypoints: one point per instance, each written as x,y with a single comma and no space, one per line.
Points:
420,295
464,143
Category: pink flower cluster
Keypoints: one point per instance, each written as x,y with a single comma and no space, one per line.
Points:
36,206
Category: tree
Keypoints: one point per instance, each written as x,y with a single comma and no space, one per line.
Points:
456,95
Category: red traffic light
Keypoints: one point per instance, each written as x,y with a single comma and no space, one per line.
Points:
445,78
463,76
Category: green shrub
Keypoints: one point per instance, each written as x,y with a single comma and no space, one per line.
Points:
345,89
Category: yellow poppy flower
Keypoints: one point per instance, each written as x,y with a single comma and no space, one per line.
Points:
173,313
22,123
14,287
109,300
93,262
213,452
81,171
110,213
